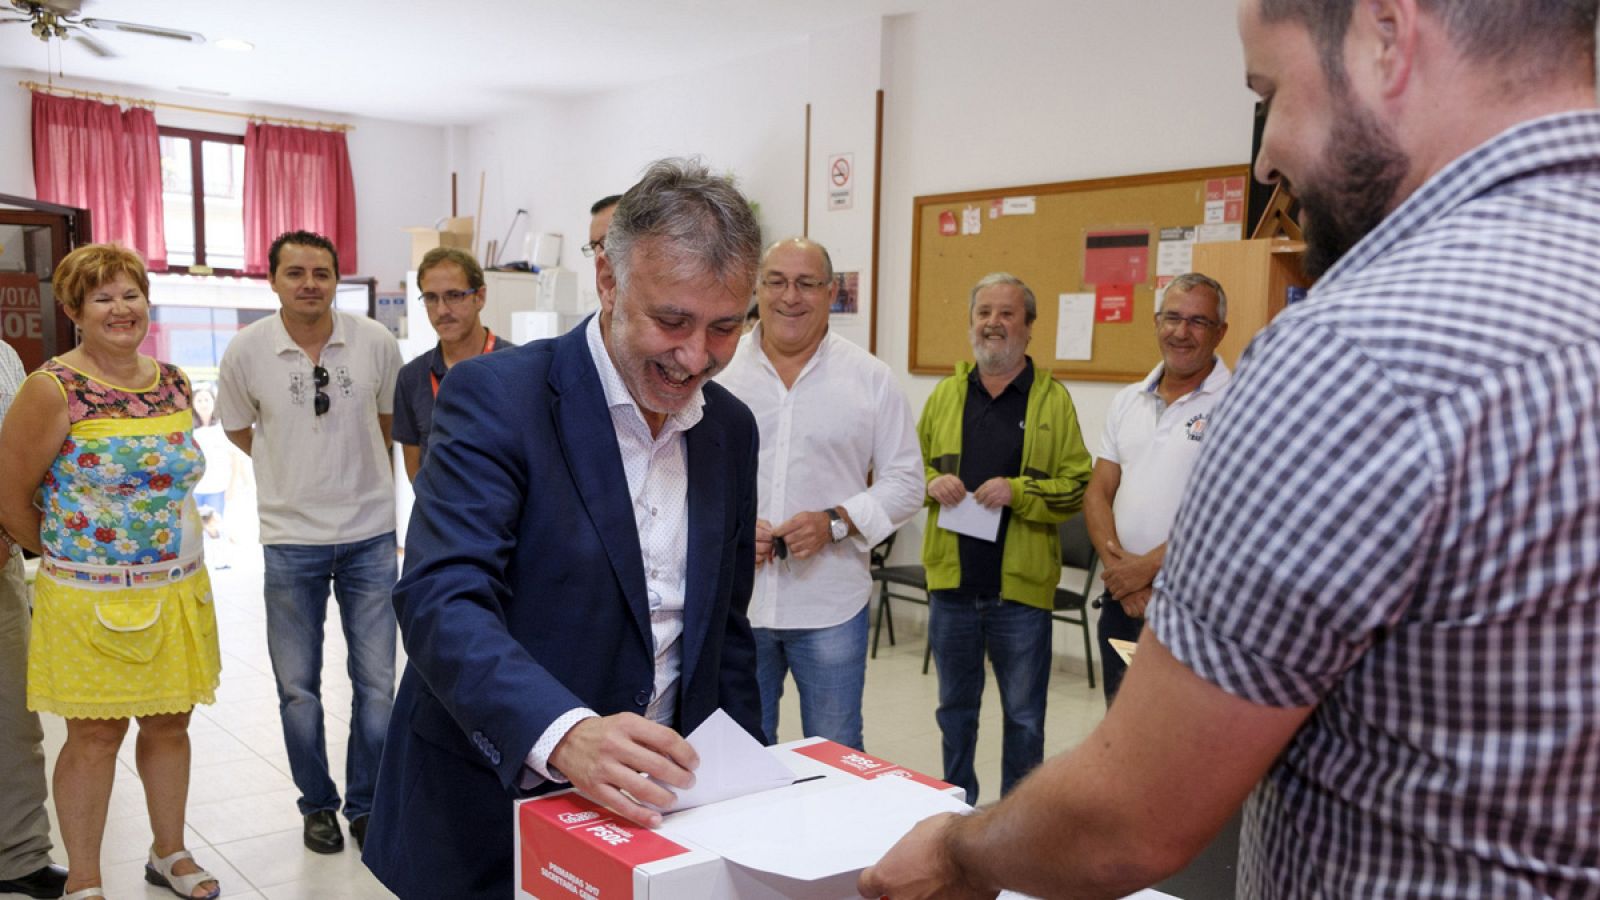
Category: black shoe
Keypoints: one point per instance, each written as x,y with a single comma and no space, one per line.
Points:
322,832
358,830
45,883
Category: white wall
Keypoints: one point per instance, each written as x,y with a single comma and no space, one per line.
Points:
399,168
555,157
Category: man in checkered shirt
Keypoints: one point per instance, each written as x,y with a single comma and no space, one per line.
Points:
1379,617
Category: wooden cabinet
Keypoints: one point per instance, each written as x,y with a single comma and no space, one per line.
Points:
1257,276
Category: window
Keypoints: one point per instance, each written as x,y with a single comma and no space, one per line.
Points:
202,193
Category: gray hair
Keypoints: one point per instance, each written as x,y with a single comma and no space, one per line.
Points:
804,243
1029,304
1545,37
1187,282
700,219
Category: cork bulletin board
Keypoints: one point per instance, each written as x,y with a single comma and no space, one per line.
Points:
1101,237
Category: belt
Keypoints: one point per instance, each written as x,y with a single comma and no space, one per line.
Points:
118,576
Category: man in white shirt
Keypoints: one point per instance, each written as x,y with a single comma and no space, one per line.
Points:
309,394
831,416
1153,436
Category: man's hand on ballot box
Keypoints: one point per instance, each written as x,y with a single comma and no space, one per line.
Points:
919,867
605,756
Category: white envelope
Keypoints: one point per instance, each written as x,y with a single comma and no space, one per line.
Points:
971,519
732,764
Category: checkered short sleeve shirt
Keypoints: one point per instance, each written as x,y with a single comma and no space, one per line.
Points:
1396,518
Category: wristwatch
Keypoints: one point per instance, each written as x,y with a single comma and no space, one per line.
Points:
837,526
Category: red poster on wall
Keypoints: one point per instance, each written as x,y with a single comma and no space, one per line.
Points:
1116,257
1113,303
22,316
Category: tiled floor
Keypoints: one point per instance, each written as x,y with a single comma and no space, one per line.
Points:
243,824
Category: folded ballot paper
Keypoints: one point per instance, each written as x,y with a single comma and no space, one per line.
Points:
732,764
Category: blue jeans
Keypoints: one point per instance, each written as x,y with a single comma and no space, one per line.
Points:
1114,623
362,575
1017,638
830,669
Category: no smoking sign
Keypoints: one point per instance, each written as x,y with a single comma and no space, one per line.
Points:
841,181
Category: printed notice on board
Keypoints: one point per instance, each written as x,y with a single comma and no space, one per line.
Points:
1175,253
1075,327
1225,231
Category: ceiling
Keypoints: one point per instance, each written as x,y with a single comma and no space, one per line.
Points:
435,62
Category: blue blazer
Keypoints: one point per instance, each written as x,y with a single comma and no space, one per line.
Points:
524,597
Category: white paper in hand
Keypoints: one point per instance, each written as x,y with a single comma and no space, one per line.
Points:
821,834
971,519
732,764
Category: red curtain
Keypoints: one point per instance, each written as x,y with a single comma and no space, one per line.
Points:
297,178
99,157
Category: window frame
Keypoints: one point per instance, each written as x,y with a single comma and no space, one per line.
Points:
196,138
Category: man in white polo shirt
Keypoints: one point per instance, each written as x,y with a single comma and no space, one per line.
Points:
1152,438
309,394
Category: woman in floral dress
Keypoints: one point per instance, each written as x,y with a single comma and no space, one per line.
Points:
123,626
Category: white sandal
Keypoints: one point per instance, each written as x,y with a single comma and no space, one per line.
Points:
87,894
159,873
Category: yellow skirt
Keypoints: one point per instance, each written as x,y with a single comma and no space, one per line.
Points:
100,653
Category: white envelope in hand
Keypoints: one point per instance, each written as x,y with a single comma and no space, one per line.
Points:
971,519
732,764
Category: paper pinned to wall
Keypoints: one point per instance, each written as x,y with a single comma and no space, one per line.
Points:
1075,327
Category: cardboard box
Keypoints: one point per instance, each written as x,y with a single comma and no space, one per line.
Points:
568,847
456,233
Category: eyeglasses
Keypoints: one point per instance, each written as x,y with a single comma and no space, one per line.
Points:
593,248
319,377
1171,321
778,285
452,299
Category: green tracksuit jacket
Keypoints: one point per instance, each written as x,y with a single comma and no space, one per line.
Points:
1055,470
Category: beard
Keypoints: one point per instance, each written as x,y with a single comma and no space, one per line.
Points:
997,360
1365,166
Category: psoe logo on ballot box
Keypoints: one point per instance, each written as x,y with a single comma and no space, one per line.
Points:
21,317
614,835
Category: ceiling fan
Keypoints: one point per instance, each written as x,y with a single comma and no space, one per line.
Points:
61,20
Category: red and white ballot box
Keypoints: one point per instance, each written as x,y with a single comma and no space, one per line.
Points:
808,840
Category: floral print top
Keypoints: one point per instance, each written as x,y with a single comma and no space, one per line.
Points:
118,492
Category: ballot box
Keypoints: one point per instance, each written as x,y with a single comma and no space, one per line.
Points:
807,840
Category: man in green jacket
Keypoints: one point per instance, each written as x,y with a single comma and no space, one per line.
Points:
999,437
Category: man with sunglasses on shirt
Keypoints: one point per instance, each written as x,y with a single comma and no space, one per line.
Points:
309,394
451,282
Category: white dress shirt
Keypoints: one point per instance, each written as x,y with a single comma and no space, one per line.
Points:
845,417
657,468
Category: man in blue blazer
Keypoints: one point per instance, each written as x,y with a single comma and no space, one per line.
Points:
580,554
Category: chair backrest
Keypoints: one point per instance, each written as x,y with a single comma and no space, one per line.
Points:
1077,552
879,555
